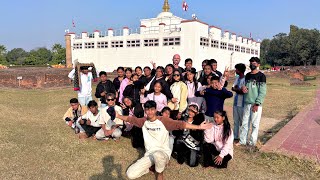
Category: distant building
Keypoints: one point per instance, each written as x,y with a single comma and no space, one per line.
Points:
158,39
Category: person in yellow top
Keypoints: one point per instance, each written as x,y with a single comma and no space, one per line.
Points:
179,90
73,114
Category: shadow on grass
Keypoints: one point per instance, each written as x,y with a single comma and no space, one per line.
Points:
276,128
112,171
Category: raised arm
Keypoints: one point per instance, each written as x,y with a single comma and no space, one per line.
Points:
133,120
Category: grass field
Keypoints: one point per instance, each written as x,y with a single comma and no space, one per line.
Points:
35,143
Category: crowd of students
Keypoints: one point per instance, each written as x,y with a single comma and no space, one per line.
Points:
171,111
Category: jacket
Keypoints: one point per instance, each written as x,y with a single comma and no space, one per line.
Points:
107,87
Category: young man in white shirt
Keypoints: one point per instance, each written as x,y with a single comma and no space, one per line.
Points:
85,92
110,125
156,139
90,121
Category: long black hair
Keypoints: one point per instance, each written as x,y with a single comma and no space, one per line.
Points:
195,81
226,125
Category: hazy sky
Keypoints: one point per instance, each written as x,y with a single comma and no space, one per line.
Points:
37,23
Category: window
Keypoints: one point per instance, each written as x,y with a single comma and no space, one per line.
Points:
230,47
89,45
237,48
133,43
223,45
151,42
103,44
77,46
171,41
252,51
204,41
248,50
256,52
214,43
91,35
116,44
243,49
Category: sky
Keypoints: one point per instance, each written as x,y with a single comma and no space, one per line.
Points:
30,24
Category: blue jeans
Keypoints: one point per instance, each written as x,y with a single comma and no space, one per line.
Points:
237,118
250,118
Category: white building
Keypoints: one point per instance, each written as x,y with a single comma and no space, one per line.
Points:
158,40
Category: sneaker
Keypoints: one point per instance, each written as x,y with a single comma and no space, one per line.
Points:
76,130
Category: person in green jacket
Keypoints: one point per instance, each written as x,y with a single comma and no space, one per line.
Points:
255,90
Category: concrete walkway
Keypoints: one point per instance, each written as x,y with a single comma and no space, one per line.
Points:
301,136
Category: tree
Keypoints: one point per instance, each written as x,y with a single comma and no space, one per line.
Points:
58,54
39,56
14,54
3,52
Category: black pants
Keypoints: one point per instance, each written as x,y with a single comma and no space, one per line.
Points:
186,154
90,130
137,137
210,151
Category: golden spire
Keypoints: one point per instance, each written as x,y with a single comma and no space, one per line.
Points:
166,6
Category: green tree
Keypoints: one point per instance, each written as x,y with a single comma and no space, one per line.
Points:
39,56
3,52
58,54
15,54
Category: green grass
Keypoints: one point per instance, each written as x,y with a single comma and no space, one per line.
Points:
35,143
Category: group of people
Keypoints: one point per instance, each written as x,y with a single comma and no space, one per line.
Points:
171,111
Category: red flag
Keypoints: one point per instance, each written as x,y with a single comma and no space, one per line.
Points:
185,6
73,24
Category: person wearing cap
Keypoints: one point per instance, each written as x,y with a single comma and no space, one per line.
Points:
188,142
90,121
111,127
255,90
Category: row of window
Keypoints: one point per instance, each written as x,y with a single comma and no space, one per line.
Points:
223,45
172,41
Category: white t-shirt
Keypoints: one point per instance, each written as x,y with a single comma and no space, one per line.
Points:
85,86
106,119
238,98
94,119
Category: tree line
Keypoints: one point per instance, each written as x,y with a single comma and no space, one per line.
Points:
37,56
301,47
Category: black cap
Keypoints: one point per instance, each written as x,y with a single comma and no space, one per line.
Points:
112,113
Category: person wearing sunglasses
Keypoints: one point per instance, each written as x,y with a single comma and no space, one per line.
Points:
178,104
111,127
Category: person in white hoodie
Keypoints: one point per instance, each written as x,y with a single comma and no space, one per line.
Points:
218,146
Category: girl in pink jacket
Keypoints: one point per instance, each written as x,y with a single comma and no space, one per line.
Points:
218,146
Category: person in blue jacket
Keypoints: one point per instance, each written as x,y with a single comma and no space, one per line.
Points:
214,96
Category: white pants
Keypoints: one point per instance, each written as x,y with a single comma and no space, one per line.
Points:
158,158
250,117
116,134
84,100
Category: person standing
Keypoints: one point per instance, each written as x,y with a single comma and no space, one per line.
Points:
255,90
104,87
238,102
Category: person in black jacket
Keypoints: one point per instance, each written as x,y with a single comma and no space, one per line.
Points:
188,142
130,108
160,77
133,88
104,87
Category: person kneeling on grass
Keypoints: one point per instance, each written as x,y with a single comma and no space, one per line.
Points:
156,140
90,121
111,126
218,142
74,113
